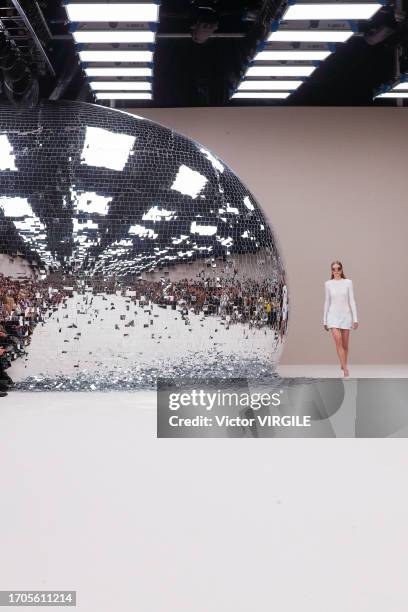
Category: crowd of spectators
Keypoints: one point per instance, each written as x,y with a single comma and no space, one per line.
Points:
26,303
23,304
247,301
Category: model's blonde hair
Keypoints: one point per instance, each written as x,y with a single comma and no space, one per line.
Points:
337,262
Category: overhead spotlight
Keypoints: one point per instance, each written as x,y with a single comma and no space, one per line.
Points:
204,20
20,83
250,15
374,37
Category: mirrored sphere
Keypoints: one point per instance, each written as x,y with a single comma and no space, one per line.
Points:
128,252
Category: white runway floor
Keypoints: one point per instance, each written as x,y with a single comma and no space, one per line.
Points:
92,501
398,370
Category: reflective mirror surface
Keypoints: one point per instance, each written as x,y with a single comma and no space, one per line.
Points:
127,252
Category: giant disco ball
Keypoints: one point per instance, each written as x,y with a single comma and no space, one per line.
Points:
128,252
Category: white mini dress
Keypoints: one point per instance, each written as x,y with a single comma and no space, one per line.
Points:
339,306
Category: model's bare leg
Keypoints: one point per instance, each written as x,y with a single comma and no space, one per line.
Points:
345,335
339,348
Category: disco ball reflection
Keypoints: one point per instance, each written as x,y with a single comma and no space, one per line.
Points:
128,252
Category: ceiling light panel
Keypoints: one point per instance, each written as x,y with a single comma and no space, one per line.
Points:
276,95
269,85
112,36
295,56
397,89
113,71
116,56
393,94
120,85
120,95
116,40
295,71
401,86
306,32
331,10
312,35
112,12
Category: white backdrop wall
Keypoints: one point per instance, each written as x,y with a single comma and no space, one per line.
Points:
332,181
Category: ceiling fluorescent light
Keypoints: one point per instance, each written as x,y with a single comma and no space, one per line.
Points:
103,11
401,86
85,36
280,71
269,85
118,72
121,85
335,10
262,94
116,56
278,56
394,94
310,36
113,95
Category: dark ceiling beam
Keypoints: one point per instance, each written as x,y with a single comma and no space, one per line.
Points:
33,34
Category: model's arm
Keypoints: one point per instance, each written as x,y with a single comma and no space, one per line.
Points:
326,303
352,303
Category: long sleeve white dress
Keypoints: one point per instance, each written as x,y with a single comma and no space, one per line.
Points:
339,307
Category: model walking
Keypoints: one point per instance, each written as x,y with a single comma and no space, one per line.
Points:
340,311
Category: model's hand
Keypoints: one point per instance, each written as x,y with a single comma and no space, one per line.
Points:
355,325
2,350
